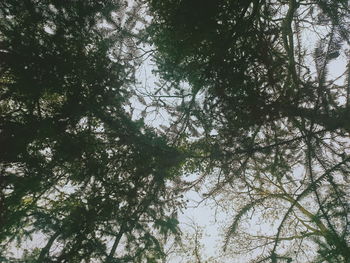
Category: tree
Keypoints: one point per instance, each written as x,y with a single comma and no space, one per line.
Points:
190,247
77,174
261,93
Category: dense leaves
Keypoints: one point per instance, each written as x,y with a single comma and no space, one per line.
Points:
78,177
273,112
257,107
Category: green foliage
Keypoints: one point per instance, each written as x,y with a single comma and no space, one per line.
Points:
79,172
261,75
76,171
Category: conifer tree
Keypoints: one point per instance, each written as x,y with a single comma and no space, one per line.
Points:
79,177
266,105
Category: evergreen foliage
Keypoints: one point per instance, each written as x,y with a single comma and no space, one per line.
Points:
259,117
267,108
78,177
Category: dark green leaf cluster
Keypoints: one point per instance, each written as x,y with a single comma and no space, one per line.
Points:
78,177
260,72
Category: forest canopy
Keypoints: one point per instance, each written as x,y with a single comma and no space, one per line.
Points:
256,95
78,176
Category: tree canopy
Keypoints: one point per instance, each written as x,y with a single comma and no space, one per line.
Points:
273,113
76,172
258,98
